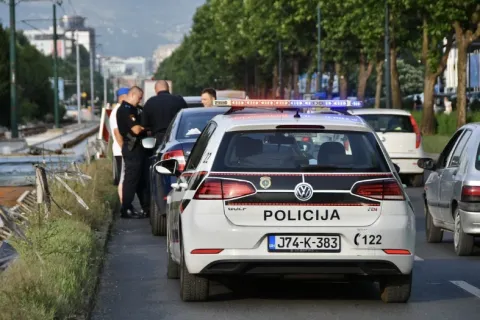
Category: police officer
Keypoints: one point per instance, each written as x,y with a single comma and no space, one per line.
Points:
134,158
160,110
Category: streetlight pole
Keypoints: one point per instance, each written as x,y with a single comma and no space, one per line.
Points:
79,98
92,94
105,74
13,71
55,68
319,51
388,100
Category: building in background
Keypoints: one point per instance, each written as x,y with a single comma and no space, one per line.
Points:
473,69
70,27
136,66
43,41
161,53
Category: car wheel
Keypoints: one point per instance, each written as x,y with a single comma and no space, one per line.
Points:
433,234
192,287
462,242
396,289
115,172
416,180
173,269
158,220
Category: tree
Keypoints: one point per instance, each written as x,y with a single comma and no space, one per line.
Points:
465,15
437,38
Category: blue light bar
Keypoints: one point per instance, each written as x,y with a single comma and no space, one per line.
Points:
288,104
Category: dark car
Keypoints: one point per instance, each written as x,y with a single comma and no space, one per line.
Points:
177,144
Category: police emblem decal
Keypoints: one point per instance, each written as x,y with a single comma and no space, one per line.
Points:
265,182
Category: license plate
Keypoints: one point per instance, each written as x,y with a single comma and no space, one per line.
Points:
304,243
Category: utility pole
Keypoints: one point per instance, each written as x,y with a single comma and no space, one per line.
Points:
79,98
104,88
13,71
280,69
92,94
388,101
55,70
319,51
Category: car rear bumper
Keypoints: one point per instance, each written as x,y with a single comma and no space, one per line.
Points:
407,165
301,267
470,221
244,249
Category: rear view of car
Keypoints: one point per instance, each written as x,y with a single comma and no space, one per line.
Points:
275,195
400,134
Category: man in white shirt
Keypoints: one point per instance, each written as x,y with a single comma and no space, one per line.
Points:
117,138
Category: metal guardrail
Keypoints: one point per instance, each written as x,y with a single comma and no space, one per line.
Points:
26,132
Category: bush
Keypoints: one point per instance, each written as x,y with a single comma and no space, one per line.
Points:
447,124
53,277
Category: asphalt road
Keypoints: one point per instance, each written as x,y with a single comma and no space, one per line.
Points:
134,286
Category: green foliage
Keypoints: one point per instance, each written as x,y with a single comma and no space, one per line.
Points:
55,276
446,125
411,78
34,90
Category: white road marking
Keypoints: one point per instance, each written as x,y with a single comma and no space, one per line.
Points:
467,287
417,258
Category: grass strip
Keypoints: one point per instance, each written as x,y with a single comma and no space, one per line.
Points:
56,276
434,144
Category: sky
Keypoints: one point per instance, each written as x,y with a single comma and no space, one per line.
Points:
124,27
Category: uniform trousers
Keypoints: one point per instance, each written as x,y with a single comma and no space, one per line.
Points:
136,178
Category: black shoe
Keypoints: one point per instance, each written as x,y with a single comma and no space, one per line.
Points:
129,214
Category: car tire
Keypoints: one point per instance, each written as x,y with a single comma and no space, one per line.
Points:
192,287
173,269
416,180
115,172
396,289
158,217
462,242
433,234
158,220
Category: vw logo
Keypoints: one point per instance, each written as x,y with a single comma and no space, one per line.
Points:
303,191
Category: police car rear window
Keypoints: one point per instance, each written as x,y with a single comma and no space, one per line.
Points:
294,151
388,122
191,125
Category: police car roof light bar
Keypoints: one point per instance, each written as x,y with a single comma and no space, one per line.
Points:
333,105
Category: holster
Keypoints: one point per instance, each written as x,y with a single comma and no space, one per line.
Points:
131,142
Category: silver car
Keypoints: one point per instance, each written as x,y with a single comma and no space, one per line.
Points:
452,191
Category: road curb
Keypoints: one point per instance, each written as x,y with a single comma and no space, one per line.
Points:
104,238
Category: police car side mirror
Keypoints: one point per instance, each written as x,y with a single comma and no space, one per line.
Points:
168,167
149,143
426,163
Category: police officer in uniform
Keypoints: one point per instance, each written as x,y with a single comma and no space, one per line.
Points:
134,157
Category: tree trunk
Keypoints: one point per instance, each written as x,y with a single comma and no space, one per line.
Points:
428,124
394,79
463,40
342,80
308,84
364,73
331,79
430,77
295,78
462,81
288,94
378,91
275,82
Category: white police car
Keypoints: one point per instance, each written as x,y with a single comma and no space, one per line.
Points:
277,194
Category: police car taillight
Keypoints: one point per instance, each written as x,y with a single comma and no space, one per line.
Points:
379,190
219,189
177,155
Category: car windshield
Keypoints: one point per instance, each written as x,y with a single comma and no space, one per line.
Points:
192,124
300,151
388,122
